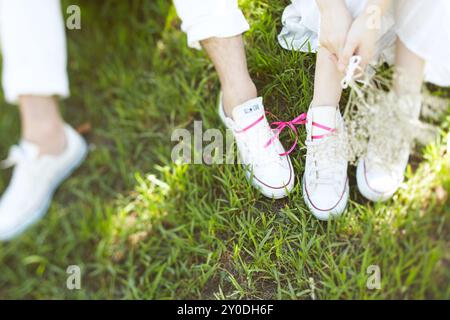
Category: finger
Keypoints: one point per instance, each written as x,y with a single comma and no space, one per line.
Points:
362,63
327,46
366,58
333,58
362,67
347,52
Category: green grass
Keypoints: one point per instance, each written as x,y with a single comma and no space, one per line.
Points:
142,227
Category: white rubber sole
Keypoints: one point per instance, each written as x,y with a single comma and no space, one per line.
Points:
273,193
40,212
366,190
326,215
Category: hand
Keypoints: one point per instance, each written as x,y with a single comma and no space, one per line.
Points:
336,21
361,40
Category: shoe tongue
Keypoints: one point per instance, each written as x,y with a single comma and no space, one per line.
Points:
29,149
325,116
248,112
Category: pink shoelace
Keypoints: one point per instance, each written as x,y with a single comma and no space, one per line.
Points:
281,125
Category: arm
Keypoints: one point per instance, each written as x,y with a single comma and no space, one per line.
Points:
334,25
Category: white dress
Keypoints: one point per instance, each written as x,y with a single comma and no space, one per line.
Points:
422,25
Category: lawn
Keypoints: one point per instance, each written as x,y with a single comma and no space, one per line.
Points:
143,227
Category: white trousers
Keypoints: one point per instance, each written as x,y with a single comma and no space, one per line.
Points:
203,19
33,43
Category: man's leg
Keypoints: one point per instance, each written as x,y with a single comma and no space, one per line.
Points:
34,68
42,123
34,74
217,26
228,56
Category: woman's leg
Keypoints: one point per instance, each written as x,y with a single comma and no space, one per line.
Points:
325,182
376,180
327,81
409,71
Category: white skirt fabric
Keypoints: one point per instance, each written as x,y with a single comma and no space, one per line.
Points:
423,26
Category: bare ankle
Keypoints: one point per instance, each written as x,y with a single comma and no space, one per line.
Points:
236,94
42,123
324,101
50,139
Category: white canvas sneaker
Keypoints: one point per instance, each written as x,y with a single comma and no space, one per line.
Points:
325,181
377,178
267,169
34,180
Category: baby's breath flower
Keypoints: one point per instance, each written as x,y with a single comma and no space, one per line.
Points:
386,120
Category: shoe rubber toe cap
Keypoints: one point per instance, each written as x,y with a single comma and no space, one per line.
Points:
375,185
326,207
276,183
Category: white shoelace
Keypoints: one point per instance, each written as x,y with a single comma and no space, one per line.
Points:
324,162
16,156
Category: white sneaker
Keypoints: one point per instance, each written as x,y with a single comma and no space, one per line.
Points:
267,170
34,180
377,178
325,181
